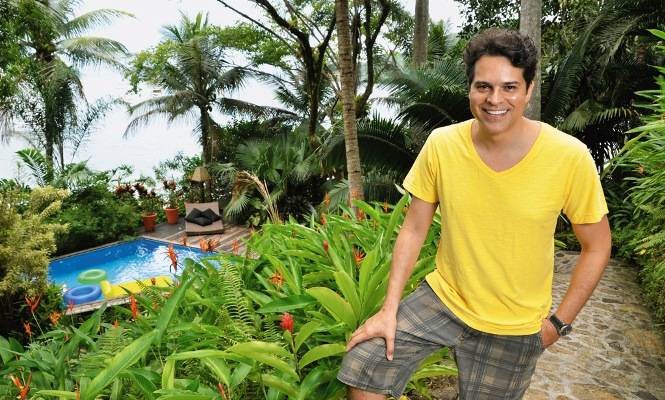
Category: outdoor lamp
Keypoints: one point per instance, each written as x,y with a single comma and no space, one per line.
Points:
200,175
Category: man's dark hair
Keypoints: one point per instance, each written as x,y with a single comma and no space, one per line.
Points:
517,48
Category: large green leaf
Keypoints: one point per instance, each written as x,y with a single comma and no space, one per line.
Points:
293,302
168,311
348,288
219,368
335,305
124,359
265,353
322,351
168,374
315,378
279,384
57,393
305,332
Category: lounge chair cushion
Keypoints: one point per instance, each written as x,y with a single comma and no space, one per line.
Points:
198,218
211,215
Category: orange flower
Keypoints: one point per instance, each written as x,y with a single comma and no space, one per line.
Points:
133,307
360,214
358,255
33,302
153,280
277,279
173,256
23,388
236,247
385,206
326,199
27,328
203,244
286,322
324,220
222,392
116,324
326,245
54,316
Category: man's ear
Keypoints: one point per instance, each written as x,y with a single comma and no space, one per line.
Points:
529,90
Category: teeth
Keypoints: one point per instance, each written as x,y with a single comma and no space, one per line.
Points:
497,112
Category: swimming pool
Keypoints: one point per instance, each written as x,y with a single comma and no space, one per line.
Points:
137,259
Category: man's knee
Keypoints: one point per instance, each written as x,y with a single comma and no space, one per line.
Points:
358,394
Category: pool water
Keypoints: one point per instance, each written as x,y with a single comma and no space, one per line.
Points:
123,262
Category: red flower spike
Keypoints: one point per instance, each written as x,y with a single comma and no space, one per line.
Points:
203,244
360,214
116,324
358,255
326,199
70,306
133,306
286,322
54,316
33,302
27,328
23,388
325,245
277,279
324,220
171,254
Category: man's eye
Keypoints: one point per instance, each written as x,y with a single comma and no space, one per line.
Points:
511,88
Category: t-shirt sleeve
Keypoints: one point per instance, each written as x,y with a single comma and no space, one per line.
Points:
585,201
421,179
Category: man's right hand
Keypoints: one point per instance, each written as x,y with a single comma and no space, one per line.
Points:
382,325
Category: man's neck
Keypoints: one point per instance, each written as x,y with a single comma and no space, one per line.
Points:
516,136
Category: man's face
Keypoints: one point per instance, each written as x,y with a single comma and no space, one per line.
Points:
498,94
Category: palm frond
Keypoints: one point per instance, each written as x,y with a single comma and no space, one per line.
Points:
81,24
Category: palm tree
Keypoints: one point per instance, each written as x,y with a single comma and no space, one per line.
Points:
56,49
420,32
190,68
348,95
531,12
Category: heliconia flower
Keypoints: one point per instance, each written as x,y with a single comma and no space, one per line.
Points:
324,220
133,306
222,392
326,199
173,256
235,247
277,279
33,302
27,328
360,214
24,388
203,244
358,255
54,316
116,324
385,206
325,245
286,322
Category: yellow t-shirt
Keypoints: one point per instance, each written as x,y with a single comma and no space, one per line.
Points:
496,253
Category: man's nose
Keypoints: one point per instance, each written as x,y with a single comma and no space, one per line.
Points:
494,96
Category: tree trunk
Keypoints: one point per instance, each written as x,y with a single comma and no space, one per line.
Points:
420,33
348,92
530,24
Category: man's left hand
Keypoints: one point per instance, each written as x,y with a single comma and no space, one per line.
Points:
548,333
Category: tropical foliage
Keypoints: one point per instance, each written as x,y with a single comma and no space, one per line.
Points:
273,325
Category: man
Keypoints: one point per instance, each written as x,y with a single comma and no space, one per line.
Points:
501,181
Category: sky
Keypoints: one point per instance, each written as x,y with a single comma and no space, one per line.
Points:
107,148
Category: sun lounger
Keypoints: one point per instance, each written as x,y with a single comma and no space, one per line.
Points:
192,228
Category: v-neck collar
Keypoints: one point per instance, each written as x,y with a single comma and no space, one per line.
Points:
515,167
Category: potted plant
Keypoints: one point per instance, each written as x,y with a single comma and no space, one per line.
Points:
171,209
149,204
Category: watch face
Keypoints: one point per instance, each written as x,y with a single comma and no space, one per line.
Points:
566,329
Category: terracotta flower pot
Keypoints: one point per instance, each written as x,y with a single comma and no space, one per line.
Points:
171,215
149,221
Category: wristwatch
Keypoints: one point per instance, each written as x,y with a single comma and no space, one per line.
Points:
562,328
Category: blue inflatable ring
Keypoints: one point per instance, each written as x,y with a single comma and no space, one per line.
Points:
82,294
92,276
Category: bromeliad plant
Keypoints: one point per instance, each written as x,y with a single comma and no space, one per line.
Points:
271,325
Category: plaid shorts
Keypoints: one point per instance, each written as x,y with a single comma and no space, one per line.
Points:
490,366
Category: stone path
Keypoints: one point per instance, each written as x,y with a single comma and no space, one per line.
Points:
615,351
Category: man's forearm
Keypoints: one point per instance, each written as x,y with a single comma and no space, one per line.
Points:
405,254
586,275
